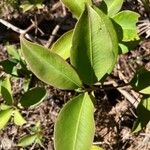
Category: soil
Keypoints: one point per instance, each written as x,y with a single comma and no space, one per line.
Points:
114,114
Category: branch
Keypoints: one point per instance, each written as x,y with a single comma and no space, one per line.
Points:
16,29
10,26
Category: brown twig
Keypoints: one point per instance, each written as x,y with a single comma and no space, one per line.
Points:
57,27
16,29
52,36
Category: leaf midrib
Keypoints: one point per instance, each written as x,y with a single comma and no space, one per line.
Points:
78,124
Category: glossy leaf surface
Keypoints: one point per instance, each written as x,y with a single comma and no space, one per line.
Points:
113,6
141,81
94,48
6,91
74,128
49,67
76,7
63,45
127,20
33,97
4,117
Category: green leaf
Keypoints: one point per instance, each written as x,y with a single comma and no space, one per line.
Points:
33,97
126,47
26,6
49,67
74,129
9,66
6,91
4,117
143,113
141,81
113,6
18,119
127,20
39,6
76,7
63,45
137,126
12,51
27,140
96,148
26,84
91,55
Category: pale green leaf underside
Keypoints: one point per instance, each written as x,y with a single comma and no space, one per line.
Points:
4,117
113,6
18,119
12,51
63,45
94,46
74,129
76,6
49,67
127,20
124,48
27,140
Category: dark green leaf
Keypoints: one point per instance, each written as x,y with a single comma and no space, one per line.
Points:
33,97
141,81
94,49
76,7
74,129
49,67
9,66
63,45
6,91
4,117
143,113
